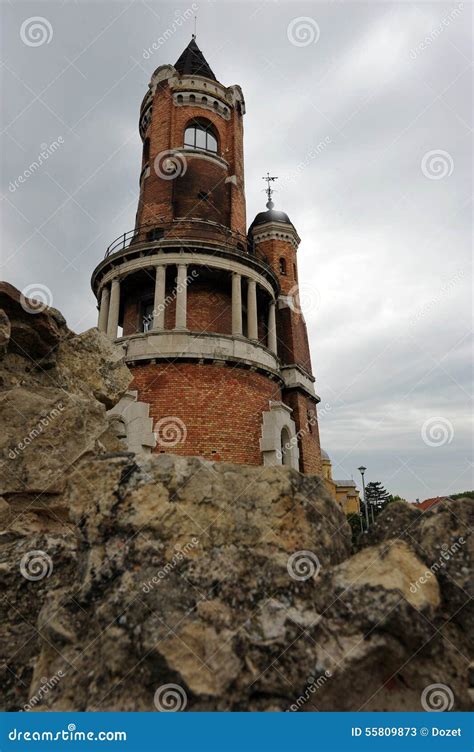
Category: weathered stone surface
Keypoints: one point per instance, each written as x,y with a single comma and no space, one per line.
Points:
5,331
121,575
442,540
89,364
55,387
35,333
393,567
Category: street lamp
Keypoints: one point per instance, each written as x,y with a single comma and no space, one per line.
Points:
362,470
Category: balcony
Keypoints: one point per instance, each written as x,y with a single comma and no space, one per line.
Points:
180,230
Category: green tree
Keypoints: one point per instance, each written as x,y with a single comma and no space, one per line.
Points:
377,496
464,494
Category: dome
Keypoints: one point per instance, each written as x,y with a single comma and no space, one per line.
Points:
325,455
271,215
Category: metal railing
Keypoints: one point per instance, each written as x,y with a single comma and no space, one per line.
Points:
178,230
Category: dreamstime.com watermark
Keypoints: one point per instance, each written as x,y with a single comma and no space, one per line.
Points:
294,174
446,554
67,735
435,33
437,164
178,21
313,685
170,431
303,31
36,298
310,424
303,565
170,164
437,431
36,431
432,304
47,685
46,151
36,565
180,287
36,31
180,555
170,698
437,698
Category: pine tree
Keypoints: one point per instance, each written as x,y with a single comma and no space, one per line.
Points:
377,496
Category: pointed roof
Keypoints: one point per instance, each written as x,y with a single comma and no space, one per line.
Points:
192,62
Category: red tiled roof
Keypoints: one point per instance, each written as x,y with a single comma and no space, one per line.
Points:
428,503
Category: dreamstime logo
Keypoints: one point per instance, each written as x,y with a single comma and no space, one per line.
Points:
36,431
294,173
170,431
46,685
36,31
180,555
35,565
302,565
46,151
447,551
177,22
303,31
303,298
437,431
436,31
437,164
35,298
437,698
170,164
170,698
314,683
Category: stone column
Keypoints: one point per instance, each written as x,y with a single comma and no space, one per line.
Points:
104,309
252,323
272,338
236,304
159,301
181,297
114,309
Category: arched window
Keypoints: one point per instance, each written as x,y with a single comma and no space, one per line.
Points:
201,134
286,445
146,150
282,266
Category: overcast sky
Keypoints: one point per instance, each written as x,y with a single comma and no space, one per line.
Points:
362,110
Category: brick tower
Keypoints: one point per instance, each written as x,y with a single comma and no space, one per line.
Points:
209,314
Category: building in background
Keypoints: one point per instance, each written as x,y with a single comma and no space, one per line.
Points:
207,311
343,491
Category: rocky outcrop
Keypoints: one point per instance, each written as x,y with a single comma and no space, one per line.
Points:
163,582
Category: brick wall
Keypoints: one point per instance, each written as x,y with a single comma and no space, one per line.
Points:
305,417
164,199
220,406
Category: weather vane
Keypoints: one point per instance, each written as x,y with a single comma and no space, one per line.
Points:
269,190
195,26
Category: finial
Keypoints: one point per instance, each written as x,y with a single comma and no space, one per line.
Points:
195,27
269,190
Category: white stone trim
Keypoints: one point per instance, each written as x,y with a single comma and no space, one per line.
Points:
223,110
137,424
186,257
274,420
173,344
294,377
276,231
201,154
